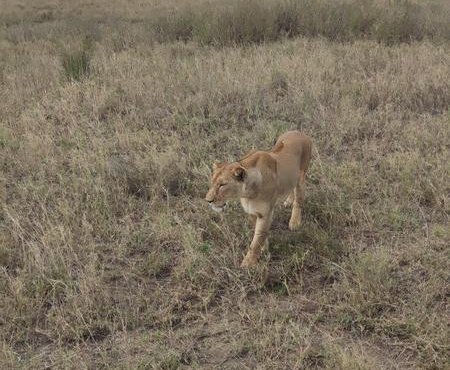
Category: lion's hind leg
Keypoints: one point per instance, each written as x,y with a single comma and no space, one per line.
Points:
289,200
299,195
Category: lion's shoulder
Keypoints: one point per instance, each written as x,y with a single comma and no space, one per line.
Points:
261,161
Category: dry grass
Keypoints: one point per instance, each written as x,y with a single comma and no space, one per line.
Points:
109,258
233,22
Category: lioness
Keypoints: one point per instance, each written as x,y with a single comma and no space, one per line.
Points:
259,180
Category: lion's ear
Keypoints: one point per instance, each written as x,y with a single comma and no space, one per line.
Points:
240,173
217,164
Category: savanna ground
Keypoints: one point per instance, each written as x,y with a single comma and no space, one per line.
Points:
111,114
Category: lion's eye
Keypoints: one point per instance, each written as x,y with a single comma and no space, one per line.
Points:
221,186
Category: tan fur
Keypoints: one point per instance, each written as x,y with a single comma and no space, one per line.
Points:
259,180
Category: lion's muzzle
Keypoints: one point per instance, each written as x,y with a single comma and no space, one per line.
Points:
214,204
218,209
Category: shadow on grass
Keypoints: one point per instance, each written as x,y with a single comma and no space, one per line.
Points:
300,259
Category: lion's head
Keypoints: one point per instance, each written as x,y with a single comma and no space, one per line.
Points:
227,182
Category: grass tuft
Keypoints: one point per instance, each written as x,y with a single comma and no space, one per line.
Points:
77,64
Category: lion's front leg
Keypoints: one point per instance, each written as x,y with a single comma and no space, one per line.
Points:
252,220
259,240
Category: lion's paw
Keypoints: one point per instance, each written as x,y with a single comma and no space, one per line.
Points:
248,262
295,223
